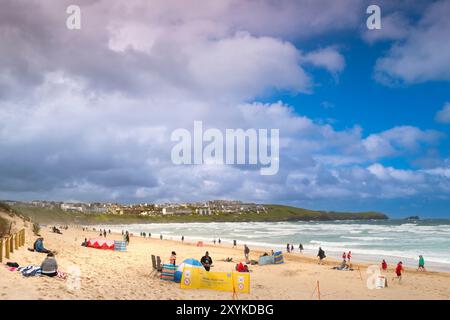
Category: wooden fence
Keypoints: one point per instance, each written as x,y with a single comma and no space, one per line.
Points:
10,243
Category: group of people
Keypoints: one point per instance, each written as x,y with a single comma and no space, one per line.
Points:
290,248
49,267
103,232
399,268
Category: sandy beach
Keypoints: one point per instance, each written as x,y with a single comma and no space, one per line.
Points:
106,274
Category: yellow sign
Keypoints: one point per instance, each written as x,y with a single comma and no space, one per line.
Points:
198,278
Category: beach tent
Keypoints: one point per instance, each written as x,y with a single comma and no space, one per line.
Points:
278,257
101,244
186,263
266,260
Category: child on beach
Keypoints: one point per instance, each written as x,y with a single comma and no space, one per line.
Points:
173,258
421,264
344,256
384,265
398,271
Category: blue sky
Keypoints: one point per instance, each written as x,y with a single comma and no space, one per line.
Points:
364,115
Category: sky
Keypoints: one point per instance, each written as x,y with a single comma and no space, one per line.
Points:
364,115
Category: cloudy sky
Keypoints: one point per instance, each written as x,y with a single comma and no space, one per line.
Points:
364,115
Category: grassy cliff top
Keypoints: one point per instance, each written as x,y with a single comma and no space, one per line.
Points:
275,213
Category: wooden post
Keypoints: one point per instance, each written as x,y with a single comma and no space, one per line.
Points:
23,236
16,242
318,289
11,244
7,248
1,250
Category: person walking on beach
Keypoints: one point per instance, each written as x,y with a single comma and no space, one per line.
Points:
234,243
182,239
349,256
109,231
104,233
214,241
246,252
421,263
398,271
292,248
219,241
383,265
288,248
173,258
300,247
321,255
160,237
206,261
127,237
344,257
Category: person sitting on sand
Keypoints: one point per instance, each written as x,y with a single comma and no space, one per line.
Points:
240,267
206,261
173,258
398,271
84,243
49,267
421,263
321,255
383,265
39,246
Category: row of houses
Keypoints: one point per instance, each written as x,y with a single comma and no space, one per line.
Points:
150,209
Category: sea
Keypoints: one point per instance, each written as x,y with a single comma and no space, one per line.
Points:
369,240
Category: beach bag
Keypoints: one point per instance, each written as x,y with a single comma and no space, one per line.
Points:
278,257
12,264
168,272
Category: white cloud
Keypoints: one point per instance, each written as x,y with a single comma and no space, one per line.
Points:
328,58
423,54
443,115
